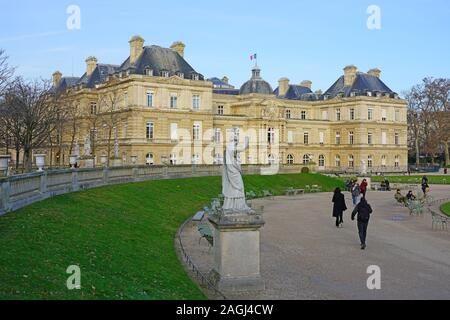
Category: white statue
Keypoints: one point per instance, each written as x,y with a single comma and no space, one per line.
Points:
87,146
363,167
232,183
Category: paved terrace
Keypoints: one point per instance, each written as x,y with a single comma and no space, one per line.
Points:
304,255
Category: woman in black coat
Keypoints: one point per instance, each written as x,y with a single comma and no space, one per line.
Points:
338,206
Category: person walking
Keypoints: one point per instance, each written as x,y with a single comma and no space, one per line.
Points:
363,188
355,193
424,185
339,206
364,210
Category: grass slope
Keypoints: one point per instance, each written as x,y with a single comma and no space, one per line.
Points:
121,236
445,208
441,179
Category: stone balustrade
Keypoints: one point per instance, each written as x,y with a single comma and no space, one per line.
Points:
21,190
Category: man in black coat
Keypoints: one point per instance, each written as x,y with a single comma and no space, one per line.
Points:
339,206
363,209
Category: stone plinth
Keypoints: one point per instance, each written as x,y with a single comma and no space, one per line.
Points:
237,251
87,162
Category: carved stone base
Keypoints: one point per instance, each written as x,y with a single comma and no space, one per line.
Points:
237,251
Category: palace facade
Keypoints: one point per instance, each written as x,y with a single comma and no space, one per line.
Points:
154,107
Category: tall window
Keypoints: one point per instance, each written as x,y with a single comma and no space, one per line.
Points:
150,130
173,159
196,102
195,158
351,138
303,115
174,131
351,161
149,159
93,108
370,137
369,161
290,159
306,137
220,110
321,137
290,136
397,138
196,131
397,161
383,115
271,159
352,114
397,115
338,137
217,135
149,99
321,160
271,135
338,114
173,101
383,137
370,114
337,161
288,114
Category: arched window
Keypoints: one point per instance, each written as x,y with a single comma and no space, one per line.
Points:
306,159
351,161
271,159
337,161
321,160
369,161
149,159
290,159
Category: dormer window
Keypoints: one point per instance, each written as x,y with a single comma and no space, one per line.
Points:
180,74
165,74
353,94
148,71
195,76
369,93
378,94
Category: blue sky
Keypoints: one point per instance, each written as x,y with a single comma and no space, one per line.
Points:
296,39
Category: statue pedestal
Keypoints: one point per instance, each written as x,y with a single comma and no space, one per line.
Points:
87,162
237,251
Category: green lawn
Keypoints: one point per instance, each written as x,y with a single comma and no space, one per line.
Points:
445,208
121,236
442,179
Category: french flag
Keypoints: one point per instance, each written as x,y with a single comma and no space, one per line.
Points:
253,56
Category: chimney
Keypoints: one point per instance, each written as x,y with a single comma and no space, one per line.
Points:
283,86
225,79
349,75
178,46
374,72
56,78
136,48
306,83
91,64
318,92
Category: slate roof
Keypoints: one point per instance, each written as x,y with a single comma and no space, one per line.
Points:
99,75
233,92
66,82
218,83
363,82
160,59
256,84
297,92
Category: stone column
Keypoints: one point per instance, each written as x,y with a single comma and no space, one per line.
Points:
237,251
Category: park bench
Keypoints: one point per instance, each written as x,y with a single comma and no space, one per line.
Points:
205,233
438,220
198,216
292,192
316,188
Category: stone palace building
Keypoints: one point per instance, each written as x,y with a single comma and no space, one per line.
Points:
155,108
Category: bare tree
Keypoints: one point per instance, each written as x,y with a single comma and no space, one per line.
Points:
32,115
109,108
6,71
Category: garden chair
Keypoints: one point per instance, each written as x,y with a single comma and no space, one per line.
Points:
438,220
205,233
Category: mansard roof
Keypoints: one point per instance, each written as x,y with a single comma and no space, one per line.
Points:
160,59
363,83
297,92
